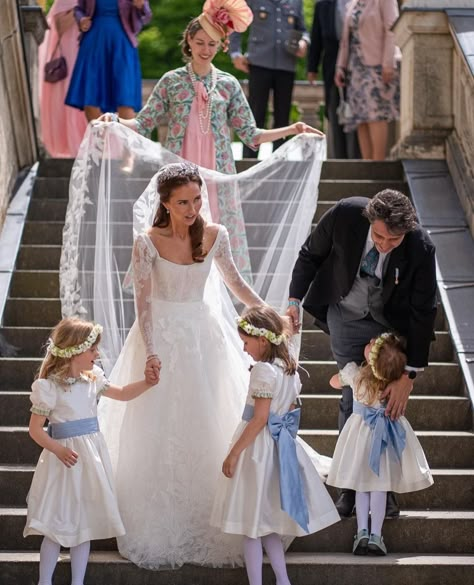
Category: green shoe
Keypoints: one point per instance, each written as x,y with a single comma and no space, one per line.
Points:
361,540
376,545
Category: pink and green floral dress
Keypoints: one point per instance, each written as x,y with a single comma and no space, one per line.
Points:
172,99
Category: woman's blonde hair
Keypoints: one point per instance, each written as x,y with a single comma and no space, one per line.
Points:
387,364
67,333
264,317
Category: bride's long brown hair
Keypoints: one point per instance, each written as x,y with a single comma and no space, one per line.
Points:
169,178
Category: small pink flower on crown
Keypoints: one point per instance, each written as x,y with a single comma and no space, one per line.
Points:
222,17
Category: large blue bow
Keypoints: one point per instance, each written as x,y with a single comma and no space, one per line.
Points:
283,430
385,432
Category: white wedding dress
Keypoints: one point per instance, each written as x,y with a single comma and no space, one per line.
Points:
168,445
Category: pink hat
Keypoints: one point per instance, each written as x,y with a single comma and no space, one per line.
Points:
221,17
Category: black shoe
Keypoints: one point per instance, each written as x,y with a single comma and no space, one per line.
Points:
392,510
345,503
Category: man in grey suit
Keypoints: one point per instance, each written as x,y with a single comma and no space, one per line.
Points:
367,268
277,38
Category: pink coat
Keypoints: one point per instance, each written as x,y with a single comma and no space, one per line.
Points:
62,127
377,40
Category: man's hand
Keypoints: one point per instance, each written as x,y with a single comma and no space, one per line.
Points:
241,63
293,312
311,77
302,48
398,393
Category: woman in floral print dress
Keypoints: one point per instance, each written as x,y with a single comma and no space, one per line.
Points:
368,65
203,106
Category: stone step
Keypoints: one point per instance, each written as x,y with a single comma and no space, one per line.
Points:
46,312
439,379
105,568
389,170
446,413
55,167
401,535
446,449
41,210
315,343
439,325
330,189
452,489
443,449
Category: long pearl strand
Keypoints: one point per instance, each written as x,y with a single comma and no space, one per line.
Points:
205,114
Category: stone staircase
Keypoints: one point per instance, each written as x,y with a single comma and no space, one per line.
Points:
431,543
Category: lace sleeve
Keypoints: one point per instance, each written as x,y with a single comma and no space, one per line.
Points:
142,261
234,281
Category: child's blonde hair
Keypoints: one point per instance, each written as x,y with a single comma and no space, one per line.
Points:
264,317
387,361
68,333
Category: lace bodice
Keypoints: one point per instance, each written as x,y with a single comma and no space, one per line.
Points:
158,279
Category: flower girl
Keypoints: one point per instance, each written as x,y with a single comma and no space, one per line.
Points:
374,454
273,487
72,497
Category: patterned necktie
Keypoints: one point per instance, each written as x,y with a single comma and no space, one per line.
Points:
369,263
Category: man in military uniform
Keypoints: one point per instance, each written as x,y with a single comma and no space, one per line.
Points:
277,37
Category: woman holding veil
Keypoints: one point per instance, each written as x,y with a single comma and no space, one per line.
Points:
203,106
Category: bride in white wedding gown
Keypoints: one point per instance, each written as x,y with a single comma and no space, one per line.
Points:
167,447
172,440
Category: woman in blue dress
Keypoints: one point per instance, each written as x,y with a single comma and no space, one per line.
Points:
107,74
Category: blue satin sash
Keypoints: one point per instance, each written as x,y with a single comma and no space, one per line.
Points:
283,430
73,428
385,432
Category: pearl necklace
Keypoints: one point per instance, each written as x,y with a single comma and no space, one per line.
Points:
205,114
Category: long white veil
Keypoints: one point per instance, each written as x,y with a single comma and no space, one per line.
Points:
112,197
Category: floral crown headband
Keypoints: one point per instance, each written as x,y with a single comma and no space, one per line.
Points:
221,17
69,352
374,354
259,331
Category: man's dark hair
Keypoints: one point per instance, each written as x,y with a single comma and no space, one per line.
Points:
394,209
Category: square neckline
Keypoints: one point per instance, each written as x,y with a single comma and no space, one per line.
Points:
211,249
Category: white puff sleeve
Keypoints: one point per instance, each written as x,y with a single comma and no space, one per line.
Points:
263,378
43,397
348,374
101,380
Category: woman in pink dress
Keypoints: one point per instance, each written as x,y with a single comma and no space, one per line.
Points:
62,127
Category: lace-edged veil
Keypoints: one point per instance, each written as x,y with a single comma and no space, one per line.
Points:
113,198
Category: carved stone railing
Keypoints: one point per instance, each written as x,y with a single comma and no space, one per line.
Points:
437,91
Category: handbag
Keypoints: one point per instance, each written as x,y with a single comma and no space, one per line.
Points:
55,69
343,111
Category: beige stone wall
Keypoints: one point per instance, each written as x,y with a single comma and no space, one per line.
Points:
17,144
460,144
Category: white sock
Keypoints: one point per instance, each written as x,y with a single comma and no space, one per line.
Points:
79,558
362,501
378,502
49,553
276,554
253,555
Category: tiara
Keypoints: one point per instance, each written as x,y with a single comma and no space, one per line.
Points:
69,352
176,171
374,354
259,331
